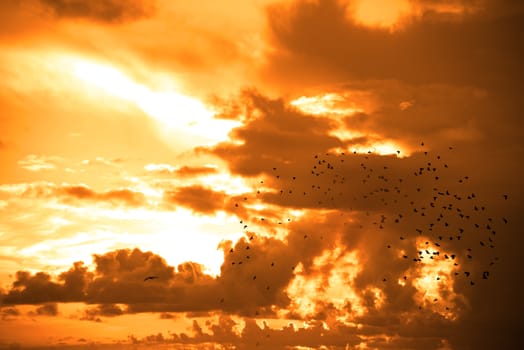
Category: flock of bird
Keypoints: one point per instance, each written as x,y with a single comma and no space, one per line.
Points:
428,203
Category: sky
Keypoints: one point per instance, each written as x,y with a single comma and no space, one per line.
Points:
261,174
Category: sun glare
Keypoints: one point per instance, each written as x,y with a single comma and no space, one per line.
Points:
327,104
309,291
333,106
434,281
173,110
379,13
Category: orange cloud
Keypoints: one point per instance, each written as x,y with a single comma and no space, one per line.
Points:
184,171
49,309
431,49
198,198
103,11
125,196
74,193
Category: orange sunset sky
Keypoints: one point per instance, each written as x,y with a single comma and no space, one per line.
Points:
261,174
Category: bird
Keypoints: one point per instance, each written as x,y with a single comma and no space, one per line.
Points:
150,278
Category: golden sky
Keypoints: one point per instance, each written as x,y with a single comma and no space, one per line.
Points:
261,174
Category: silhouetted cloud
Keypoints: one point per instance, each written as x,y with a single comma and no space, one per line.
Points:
125,196
102,310
428,49
184,171
330,237
73,194
9,313
198,198
275,133
103,10
313,335
39,288
49,309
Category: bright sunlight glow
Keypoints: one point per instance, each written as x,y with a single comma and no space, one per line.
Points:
172,109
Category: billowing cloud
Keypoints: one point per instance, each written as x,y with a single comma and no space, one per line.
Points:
40,18
424,206
361,205
273,134
426,50
40,288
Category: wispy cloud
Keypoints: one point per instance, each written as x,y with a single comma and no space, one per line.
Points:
35,163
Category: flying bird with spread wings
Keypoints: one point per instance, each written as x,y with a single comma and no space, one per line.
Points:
150,278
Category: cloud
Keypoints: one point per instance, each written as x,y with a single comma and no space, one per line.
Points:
37,163
426,50
365,189
102,310
9,313
118,278
123,196
39,18
198,198
275,133
39,288
452,115
73,194
253,335
50,309
312,266
183,171
108,11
